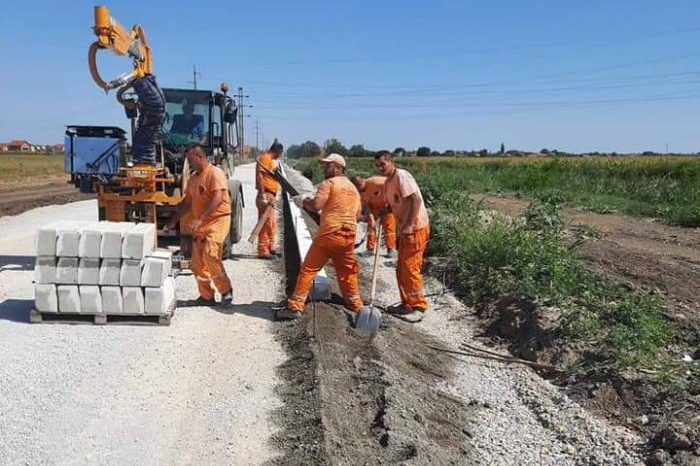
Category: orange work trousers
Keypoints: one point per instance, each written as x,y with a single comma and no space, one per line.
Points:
268,232
206,264
388,229
339,247
408,268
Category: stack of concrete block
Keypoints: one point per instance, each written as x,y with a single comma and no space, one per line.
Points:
102,268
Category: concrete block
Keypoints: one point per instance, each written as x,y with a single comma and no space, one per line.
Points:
89,271
139,241
133,300
68,299
68,240
130,274
45,269
45,298
159,300
112,234
90,241
112,301
45,239
90,299
67,270
110,269
156,268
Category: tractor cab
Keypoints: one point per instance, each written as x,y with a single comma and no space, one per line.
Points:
204,117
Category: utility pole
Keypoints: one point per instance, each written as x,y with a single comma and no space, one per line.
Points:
257,134
241,116
194,76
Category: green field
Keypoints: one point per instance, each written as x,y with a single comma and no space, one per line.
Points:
493,257
664,187
20,167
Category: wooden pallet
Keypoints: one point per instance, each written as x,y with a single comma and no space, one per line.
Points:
37,317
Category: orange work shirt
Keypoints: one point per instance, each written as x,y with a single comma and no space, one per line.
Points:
270,183
201,188
339,203
373,196
398,187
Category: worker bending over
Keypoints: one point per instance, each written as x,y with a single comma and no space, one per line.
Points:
267,187
208,202
339,203
406,202
376,209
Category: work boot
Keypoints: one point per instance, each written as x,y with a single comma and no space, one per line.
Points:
367,253
395,309
227,298
414,316
391,254
275,253
202,302
287,314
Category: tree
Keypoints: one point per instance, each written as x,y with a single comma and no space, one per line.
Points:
399,152
358,150
423,151
545,151
503,148
310,149
294,151
449,153
334,146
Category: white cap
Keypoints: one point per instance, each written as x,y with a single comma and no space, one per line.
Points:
336,158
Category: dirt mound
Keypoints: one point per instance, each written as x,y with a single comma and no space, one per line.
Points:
15,200
352,399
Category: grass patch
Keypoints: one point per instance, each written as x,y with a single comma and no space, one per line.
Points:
18,167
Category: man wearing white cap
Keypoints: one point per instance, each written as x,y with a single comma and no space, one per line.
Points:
339,203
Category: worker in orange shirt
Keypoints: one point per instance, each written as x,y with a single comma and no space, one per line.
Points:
267,187
339,203
406,203
375,208
208,202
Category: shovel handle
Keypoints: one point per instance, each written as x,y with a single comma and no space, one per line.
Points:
376,260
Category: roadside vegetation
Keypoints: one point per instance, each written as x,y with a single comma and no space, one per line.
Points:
15,167
491,257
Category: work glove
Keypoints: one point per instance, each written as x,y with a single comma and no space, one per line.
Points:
299,200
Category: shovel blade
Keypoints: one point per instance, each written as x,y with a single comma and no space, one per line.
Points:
368,319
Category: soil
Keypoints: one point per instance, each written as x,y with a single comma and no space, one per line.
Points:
648,256
17,199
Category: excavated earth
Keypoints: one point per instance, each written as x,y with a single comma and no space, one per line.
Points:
15,199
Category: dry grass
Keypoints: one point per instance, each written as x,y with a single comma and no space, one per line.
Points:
23,169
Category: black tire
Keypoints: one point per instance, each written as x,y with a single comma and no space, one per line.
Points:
236,218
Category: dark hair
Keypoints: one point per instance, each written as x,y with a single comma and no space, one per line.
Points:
277,147
355,179
196,145
383,153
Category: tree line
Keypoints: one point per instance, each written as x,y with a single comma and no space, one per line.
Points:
333,145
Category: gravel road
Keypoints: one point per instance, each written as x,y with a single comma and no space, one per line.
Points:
197,392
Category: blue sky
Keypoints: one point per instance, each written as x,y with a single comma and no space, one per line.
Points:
576,75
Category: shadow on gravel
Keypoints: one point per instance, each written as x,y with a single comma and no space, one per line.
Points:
16,310
260,309
16,263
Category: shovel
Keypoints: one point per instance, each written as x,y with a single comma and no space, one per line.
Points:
370,318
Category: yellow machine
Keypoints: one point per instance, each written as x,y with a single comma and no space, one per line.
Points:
98,159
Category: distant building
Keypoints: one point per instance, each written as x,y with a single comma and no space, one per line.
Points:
4,147
57,148
19,145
